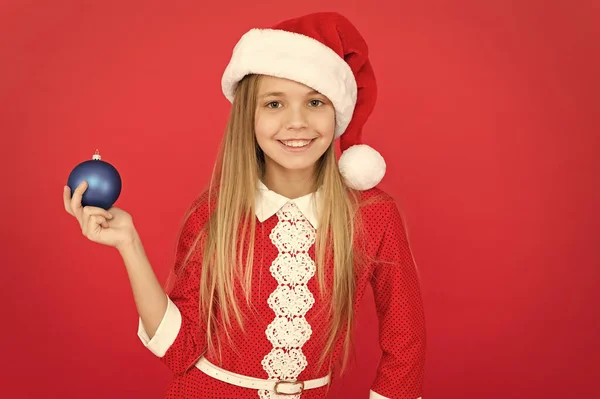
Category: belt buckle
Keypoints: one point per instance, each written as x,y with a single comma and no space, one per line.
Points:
301,383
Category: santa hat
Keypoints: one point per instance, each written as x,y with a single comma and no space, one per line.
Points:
327,53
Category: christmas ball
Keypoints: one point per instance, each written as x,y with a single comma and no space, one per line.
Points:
104,182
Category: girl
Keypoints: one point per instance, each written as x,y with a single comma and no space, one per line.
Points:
273,258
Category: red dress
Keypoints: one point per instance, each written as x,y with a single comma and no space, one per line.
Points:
284,288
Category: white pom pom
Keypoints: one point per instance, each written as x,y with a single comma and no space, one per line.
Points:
362,167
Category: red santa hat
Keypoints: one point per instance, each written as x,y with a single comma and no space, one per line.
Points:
326,52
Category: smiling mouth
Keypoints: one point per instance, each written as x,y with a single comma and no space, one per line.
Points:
296,143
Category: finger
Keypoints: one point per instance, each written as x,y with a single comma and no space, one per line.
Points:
91,224
67,200
85,221
86,230
92,217
90,210
95,221
76,202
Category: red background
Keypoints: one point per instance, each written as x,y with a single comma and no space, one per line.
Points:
488,120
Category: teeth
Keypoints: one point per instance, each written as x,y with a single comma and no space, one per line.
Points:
296,143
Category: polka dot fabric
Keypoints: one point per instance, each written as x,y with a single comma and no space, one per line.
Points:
399,307
179,341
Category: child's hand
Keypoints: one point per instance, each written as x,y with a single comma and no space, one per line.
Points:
113,227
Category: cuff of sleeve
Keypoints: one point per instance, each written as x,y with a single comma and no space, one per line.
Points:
375,395
167,331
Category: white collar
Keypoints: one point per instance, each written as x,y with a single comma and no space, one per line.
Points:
268,202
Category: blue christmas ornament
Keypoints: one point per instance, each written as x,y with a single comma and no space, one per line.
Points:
104,182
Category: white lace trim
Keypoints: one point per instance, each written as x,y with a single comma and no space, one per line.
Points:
293,268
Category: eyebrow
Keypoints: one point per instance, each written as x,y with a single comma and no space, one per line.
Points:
281,94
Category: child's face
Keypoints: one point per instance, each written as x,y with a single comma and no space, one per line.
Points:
287,110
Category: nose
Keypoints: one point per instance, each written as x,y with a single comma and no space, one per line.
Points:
296,118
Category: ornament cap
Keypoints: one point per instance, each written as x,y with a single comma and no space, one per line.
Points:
96,156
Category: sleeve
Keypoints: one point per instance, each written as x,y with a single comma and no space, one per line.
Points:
180,338
399,306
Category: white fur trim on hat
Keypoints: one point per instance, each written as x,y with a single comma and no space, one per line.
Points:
296,57
362,167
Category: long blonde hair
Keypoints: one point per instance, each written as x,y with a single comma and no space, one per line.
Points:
233,185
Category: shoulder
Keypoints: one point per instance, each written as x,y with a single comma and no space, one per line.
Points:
199,210
379,213
377,203
377,218
383,222
190,237
375,193
193,228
